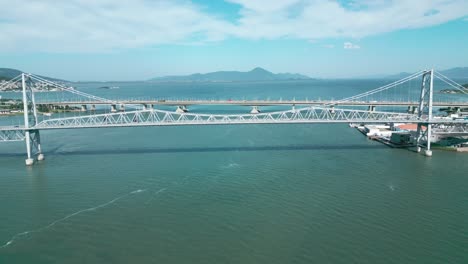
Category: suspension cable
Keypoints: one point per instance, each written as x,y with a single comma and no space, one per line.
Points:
450,82
71,90
17,78
380,89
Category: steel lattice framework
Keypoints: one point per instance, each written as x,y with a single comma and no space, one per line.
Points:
11,134
326,113
165,118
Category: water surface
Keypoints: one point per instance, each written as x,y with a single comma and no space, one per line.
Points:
230,194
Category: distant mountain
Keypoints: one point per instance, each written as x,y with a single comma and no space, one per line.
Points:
453,73
400,75
459,72
8,74
257,74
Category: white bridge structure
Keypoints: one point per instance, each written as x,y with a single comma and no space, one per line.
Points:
427,123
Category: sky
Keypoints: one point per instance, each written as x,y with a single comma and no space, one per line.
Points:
141,39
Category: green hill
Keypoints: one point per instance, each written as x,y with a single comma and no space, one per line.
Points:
8,74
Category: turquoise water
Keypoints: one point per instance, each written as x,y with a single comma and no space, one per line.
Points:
230,194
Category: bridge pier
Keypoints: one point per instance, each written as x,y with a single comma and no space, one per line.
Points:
29,161
93,108
84,108
428,151
255,110
181,109
113,108
33,141
412,109
122,108
371,108
147,106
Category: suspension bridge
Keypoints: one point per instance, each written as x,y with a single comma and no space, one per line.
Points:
139,114
182,104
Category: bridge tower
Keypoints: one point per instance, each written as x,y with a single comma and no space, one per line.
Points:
425,111
32,136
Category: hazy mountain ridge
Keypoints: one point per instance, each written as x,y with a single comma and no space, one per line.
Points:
257,74
8,74
453,73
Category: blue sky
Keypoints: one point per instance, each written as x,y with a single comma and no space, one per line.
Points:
141,39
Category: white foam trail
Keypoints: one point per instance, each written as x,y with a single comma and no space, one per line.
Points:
155,194
15,237
230,165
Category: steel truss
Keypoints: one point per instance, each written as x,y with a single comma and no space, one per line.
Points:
154,117
30,132
11,135
450,129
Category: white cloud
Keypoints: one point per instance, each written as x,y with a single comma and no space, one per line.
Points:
328,46
106,25
315,19
349,45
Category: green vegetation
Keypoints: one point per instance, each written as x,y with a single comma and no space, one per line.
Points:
16,105
9,73
11,104
455,91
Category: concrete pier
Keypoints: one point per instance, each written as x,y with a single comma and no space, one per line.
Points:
40,157
29,162
179,110
412,109
255,110
113,108
84,108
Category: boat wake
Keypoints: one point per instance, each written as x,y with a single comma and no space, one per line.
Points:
230,165
155,194
19,235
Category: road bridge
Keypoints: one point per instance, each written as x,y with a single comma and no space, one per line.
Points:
155,102
308,114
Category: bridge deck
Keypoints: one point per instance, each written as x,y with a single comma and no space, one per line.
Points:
252,103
